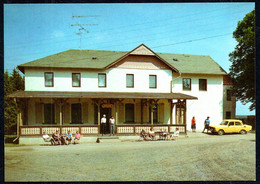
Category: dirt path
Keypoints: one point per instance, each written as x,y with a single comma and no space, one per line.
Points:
228,157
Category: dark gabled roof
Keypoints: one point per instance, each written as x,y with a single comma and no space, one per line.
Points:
110,95
100,59
93,59
193,64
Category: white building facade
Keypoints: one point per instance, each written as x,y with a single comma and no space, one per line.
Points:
140,88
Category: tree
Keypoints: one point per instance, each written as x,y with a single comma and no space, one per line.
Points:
11,84
242,69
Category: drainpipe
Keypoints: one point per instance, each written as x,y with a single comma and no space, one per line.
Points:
173,80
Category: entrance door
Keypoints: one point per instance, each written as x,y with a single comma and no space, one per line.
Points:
107,112
76,113
49,114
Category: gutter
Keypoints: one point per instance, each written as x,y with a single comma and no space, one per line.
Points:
174,79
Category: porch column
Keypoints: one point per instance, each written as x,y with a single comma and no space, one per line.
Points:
184,121
60,114
116,105
142,106
151,115
98,104
60,103
171,108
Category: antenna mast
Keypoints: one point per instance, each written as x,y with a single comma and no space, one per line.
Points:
80,26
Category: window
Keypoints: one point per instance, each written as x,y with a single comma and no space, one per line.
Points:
76,79
49,114
228,95
129,80
186,84
48,77
129,113
102,82
76,113
152,81
155,113
231,124
203,84
228,115
238,124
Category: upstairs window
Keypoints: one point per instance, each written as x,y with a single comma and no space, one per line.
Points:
228,95
102,81
203,84
152,81
129,80
228,115
48,78
76,79
186,84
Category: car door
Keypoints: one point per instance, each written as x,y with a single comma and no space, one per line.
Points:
238,126
231,127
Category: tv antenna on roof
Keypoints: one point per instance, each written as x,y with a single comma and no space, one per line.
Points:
80,26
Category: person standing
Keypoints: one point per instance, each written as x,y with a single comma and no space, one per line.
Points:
103,124
112,125
193,124
206,125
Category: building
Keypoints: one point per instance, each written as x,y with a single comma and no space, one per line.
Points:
71,90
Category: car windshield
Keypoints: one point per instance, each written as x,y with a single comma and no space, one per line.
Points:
224,123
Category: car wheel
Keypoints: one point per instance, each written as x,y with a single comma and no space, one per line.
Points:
243,132
220,132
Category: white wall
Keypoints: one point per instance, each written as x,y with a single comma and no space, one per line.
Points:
209,103
116,80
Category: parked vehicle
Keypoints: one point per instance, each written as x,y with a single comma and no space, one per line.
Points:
230,126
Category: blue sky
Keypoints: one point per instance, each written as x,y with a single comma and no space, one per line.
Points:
33,31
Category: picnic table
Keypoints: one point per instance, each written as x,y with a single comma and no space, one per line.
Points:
162,135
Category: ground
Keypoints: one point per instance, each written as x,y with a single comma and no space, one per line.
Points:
205,158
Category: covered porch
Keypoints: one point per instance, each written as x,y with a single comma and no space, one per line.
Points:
81,111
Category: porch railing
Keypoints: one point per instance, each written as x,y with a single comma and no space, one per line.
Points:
29,130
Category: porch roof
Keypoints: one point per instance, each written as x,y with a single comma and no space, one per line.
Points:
113,95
